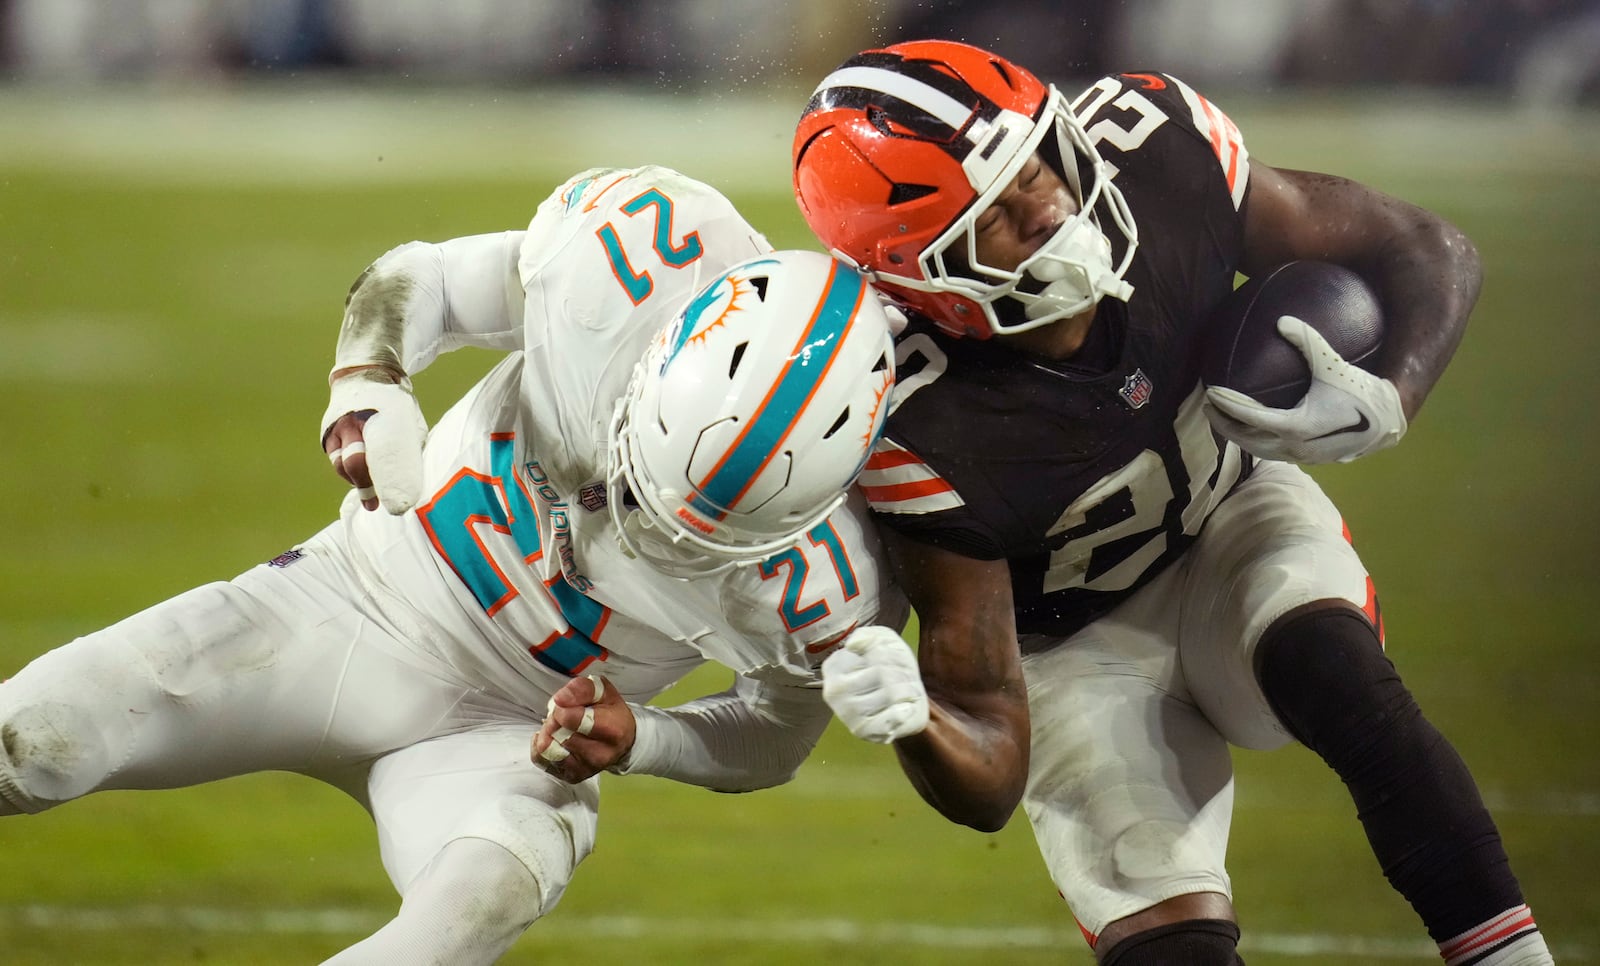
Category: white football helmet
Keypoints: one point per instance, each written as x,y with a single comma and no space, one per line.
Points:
751,415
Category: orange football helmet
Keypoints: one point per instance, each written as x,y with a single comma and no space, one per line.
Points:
901,149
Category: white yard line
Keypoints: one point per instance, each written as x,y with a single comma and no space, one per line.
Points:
793,932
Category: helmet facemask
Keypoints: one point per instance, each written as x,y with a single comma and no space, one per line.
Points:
1071,271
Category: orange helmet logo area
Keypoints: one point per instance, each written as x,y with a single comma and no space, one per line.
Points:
896,145
683,514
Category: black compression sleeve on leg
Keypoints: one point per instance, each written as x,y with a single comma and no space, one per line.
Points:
1335,690
1193,942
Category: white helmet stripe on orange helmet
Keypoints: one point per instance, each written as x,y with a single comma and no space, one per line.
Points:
763,436
993,136
924,97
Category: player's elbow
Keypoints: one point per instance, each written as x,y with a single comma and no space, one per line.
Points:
1469,263
738,784
1001,799
985,809
1003,736
1442,249
777,763
992,816
978,786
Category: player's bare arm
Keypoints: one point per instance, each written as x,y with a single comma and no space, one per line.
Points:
1425,271
971,762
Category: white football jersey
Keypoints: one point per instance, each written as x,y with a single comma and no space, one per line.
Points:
508,568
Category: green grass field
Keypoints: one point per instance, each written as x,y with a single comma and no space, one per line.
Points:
172,268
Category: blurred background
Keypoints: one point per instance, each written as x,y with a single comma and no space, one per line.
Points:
1542,53
188,188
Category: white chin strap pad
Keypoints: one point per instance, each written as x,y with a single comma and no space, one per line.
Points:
1077,267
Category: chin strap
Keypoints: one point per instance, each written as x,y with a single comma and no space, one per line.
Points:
1078,273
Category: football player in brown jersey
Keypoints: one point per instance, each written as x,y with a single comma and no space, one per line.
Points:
1176,581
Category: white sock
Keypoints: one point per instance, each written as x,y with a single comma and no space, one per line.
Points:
467,907
1509,939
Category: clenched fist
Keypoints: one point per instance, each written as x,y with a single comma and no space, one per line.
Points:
873,685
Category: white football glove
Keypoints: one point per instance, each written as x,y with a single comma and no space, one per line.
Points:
872,683
393,435
1347,413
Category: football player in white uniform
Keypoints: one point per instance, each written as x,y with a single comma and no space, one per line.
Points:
654,476
1178,584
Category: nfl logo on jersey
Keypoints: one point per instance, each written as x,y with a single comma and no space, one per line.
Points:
1136,389
592,497
286,558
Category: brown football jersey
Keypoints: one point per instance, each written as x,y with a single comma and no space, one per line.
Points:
1091,474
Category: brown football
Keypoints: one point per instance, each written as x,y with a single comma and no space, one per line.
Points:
1244,351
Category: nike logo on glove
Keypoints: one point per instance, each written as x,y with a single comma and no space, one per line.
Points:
1359,426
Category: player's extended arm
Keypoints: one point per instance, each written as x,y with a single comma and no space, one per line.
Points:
413,303
971,762
1425,271
754,735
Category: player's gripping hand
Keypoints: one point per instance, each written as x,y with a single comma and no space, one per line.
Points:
588,729
373,431
1345,414
872,684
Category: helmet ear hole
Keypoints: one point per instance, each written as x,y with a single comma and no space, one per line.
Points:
903,192
843,418
1005,75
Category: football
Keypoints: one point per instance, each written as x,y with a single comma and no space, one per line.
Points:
1243,350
